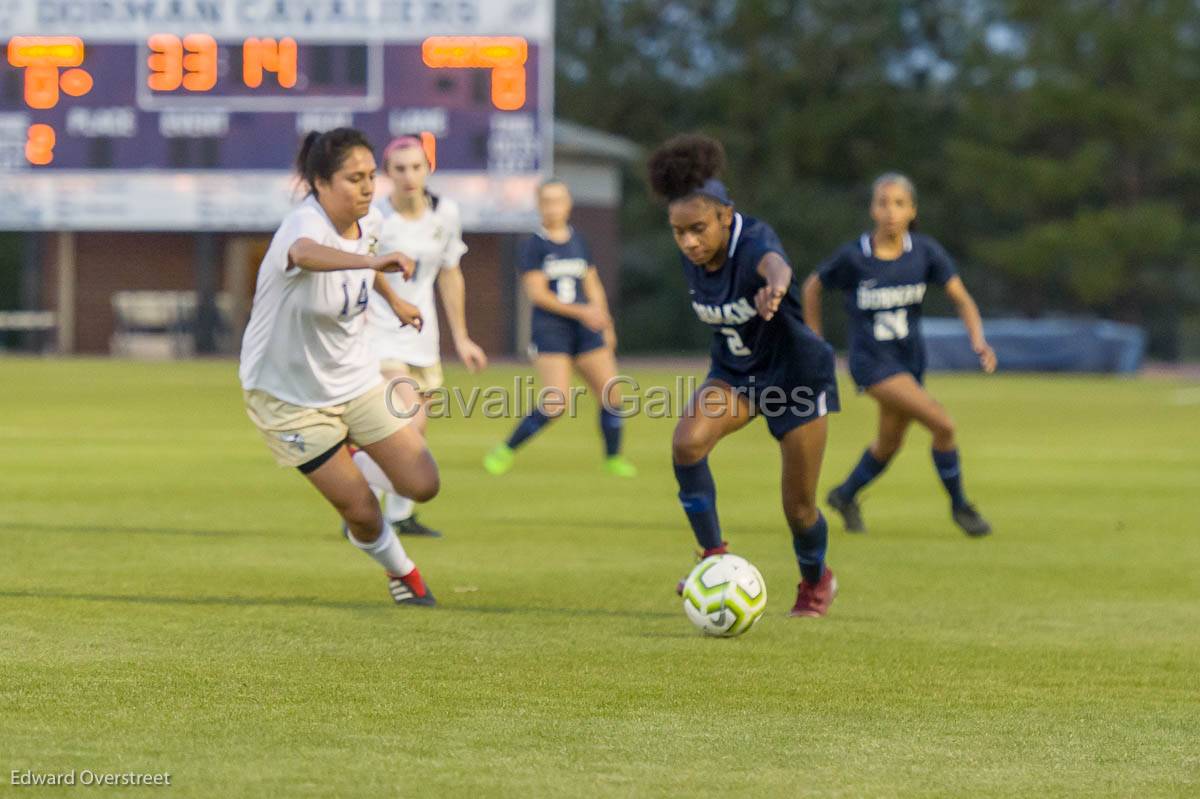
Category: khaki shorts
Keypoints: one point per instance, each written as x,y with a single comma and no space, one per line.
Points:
428,378
296,435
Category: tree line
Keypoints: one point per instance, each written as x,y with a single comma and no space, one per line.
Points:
1055,146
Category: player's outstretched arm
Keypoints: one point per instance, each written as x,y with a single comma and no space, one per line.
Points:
313,257
773,269
968,311
812,303
453,290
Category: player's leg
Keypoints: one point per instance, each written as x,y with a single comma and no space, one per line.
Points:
893,424
598,367
406,400
903,394
554,375
341,483
803,448
714,412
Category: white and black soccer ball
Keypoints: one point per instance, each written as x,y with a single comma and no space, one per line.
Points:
724,595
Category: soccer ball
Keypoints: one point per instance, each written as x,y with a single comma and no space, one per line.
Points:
724,595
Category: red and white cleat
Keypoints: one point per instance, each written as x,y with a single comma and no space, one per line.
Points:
410,589
814,600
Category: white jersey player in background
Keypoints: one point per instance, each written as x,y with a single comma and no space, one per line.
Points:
310,383
428,229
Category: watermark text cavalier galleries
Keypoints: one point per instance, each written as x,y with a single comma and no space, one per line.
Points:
29,778
687,397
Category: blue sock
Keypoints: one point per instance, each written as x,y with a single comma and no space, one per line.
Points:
532,423
698,495
809,544
868,469
610,427
951,474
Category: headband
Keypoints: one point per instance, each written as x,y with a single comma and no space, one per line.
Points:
715,190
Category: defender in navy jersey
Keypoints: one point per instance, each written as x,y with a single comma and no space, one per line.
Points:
571,328
884,277
765,361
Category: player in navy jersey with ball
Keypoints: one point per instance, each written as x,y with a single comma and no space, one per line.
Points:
884,276
765,361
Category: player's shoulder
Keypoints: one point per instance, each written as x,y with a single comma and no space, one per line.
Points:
447,208
926,243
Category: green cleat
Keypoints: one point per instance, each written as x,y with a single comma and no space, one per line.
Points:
499,460
619,466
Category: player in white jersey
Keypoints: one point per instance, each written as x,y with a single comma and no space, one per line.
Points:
309,380
428,229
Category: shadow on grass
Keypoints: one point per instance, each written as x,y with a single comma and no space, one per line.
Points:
595,523
93,529
312,602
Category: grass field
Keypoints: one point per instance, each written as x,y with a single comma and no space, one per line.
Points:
171,601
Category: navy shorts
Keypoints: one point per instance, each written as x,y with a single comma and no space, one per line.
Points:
867,369
798,387
558,334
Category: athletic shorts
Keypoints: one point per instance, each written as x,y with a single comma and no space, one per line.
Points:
557,334
427,378
868,368
297,435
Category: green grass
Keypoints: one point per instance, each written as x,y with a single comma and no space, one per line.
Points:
172,601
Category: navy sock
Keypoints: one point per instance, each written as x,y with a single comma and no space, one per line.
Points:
809,544
868,469
698,495
951,473
610,427
532,423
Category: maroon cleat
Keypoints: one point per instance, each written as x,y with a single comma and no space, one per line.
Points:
718,550
814,600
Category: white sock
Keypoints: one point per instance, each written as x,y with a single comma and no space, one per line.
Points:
370,470
396,508
387,551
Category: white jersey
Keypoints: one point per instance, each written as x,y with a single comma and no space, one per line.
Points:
306,341
435,242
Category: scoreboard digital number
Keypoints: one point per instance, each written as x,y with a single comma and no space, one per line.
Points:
159,122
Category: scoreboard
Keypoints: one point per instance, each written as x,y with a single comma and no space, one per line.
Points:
187,114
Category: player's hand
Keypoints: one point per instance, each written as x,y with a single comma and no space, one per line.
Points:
409,314
595,318
395,262
987,357
472,355
767,301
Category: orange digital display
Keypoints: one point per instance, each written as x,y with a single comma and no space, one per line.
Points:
41,57
190,62
267,55
505,56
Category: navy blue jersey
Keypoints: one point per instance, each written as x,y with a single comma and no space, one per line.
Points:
742,342
564,265
883,300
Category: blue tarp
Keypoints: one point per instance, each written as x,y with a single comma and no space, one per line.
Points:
1038,345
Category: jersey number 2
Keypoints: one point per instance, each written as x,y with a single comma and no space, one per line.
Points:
734,340
360,304
891,325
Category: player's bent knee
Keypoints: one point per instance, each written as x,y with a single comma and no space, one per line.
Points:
687,447
803,512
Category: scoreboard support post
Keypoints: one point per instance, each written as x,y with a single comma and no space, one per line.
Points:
207,317
65,274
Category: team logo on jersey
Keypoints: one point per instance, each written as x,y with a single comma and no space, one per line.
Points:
872,299
295,440
731,313
372,246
